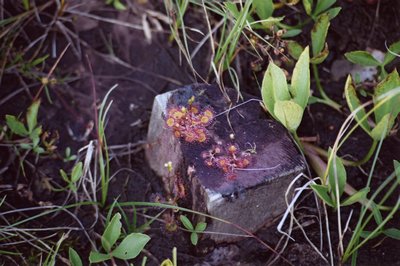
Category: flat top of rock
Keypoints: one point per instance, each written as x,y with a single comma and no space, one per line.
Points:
272,153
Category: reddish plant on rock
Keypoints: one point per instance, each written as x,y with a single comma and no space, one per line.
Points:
227,159
189,122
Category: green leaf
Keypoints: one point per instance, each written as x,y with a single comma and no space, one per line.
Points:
26,4
200,227
131,246
186,222
264,8
31,115
336,174
333,12
322,5
77,172
322,192
279,83
318,33
74,258
96,257
294,49
392,233
377,214
112,232
353,102
289,114
392,81
356,197
35,136
365,234
291,33
119,6
16,126
267,92
194,238
362,58
300,87
394,48
382,129
64,175
271,21
318,59
308,6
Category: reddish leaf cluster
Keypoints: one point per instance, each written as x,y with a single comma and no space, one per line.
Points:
228,159
189,122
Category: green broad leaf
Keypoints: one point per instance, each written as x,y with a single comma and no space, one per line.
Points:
323,193
392,233
74,258
396,165
16,126
194,238
31,115
362,58
119,6
333,12
307,4
318,59
271,21
131,246
97,257
294,49
353,102
64,175
382,129
289,114
291,33
392,81
356,197
336,174
318,34
26,146
300,87
112,232
267,92
200,227
186,222
322,5
77,172
264,8
279,83
35,136
392,53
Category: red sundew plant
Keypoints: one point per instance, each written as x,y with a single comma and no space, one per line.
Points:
189,122
227,159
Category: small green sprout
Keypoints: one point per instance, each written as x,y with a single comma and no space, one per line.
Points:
76,174
116,4
68,156
195,230
129,248
32,131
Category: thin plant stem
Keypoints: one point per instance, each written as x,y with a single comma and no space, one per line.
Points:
325,98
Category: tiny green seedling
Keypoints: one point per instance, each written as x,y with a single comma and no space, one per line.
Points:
365,58
68,156
129,248
195,230
32,131
76,174
116,4
74,258
287,103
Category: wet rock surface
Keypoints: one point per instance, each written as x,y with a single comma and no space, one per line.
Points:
248,196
